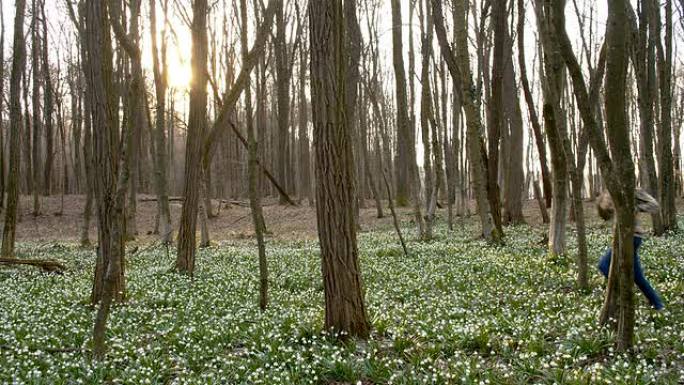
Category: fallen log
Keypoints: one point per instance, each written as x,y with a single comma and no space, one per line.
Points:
181,199
47,266
171,199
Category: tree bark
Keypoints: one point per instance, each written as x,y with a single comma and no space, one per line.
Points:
283,76
618,171
49,109
462,78
496,104
556,128
111,171
532,112
197,121
664,62
160,153
304,147
87,135
36,146
402,158
345,311
644,65
514,178
2,92
556,19
426,114
405,132
254,196
133,102
18,62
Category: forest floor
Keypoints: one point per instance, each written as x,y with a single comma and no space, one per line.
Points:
457,311
59,222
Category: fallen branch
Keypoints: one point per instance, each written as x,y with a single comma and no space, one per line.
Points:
46,265
171,199
268,174
181,199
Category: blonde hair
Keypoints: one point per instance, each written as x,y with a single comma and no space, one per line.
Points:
643,203
605,206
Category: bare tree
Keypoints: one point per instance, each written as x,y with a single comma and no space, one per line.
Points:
134,100
49,105
617,166
426,112
2,93
80,25
403,143
110,171
303,122
643,57
666,187
335,197
556,127
283,71
254,196
459,67
197,122
514,178
36,146
161,74
405,131
496,127
18,63
529,99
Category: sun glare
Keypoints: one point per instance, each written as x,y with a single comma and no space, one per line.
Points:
180,74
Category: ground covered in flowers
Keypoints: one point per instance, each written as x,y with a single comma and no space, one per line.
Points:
457,311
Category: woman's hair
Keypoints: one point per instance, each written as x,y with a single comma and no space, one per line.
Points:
644,203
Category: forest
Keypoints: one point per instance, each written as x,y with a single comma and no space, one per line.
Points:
341,192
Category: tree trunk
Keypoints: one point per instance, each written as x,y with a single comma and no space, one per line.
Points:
282,71
405,132
556,128
304,149
26,142
425,113
462,78
353,58
197,121
540,199
133,102
529,99
664,61
111,171
617,172
514,178
18,62
402,155
345,311
205,240
644,64
556,19
436,136
252,171
2,92
496,104
36,146
160,151
49,108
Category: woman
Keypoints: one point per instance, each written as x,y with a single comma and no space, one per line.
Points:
644,204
